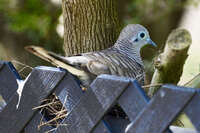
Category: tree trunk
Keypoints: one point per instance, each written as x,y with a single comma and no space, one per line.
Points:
169,64
89,25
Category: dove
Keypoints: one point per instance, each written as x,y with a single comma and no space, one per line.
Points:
122,59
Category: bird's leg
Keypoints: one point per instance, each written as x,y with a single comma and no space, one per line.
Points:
84,89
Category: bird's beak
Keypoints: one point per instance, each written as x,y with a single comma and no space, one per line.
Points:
149,41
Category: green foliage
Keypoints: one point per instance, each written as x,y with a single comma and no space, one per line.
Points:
23,22
154,10
35,19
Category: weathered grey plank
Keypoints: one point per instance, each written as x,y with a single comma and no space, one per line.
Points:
70,97
105,124
133,100
8,76
102,127
32,126
192,110
161,110
181,130
38,86
97,100
68,92
1,64
116,125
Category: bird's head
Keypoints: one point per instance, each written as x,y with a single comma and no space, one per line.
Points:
136,36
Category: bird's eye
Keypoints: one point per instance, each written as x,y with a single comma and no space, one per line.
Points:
142,35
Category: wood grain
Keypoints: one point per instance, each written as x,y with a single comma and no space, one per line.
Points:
89,25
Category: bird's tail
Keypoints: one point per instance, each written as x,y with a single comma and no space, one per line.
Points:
54,59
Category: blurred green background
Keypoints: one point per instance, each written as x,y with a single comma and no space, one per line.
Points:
39,22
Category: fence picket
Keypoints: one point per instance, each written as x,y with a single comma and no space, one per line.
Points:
68,92
87,111
7,80
91,108
193,111
161,110
133,100
37,87
32,126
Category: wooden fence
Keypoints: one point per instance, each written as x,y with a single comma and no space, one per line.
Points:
87,111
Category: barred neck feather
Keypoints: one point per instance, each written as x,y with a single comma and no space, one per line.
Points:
125,47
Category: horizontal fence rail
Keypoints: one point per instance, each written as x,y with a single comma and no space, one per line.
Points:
87,111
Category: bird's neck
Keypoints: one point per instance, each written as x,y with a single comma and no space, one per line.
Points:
127,48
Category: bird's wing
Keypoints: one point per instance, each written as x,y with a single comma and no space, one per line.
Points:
77,65
87,66
55,60
97,68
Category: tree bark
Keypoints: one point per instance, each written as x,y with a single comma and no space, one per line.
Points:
89,25
169,64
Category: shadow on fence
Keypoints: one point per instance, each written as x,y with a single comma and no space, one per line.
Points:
87,111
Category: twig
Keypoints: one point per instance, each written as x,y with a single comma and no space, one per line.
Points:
22,64
42,106
56,128
63,108
191,80
54,119
60,112
41,121
150,85
51,130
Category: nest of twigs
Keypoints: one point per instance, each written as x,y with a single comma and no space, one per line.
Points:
53,112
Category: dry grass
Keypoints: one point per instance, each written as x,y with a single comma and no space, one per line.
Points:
22,68
53,112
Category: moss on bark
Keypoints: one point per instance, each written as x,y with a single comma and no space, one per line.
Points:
169,64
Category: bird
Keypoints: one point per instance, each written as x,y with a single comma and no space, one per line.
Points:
121,59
